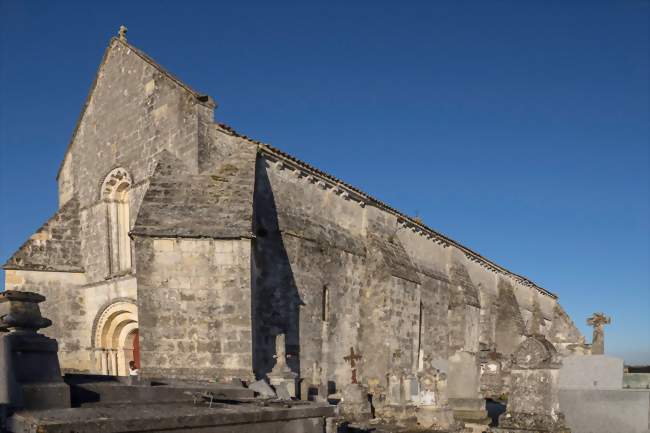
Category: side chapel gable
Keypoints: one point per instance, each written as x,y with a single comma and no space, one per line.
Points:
56,246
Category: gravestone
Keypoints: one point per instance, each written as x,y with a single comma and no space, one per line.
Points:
432,410
463,390
281,373
533,404
396,387
598,321
354,405
30,377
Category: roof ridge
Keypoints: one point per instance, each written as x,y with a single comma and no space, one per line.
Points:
407,219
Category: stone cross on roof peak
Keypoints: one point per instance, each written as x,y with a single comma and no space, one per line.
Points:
122,33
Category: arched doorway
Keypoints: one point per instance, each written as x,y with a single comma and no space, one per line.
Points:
132,349
116,338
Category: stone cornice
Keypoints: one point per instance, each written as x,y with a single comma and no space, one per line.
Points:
324,180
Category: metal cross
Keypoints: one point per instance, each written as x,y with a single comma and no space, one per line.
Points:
352,358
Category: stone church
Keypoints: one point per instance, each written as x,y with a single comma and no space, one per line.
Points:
188,247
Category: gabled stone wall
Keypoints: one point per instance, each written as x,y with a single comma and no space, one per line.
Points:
235,242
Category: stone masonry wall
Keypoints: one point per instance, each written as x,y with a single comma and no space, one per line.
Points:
312,226
65,305
194,306
73,306
134,111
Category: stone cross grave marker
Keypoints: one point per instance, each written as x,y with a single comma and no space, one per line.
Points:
352,358
598,321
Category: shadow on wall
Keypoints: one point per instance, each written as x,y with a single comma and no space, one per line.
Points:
275,298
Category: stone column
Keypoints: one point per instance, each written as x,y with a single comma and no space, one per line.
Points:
33,377
533,404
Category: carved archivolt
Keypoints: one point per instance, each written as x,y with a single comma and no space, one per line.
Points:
115,183
113,332
111,321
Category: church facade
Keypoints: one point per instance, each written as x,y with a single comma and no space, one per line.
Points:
188,247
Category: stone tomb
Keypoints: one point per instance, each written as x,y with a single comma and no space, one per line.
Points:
591,372
533,405
594,401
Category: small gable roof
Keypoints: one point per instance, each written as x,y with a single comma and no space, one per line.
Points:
178,203
56,246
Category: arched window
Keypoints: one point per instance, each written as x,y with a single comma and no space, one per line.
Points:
115,192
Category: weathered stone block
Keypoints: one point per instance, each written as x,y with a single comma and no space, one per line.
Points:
591,372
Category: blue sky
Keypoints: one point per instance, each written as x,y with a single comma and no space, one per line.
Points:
520,129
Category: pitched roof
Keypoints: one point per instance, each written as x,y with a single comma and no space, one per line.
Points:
267,149
412,223
56,246
214,205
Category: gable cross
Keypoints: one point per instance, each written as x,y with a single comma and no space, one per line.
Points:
122,33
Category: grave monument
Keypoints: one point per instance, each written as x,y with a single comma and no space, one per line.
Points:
533,404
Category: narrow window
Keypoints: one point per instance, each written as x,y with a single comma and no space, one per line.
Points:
325,311
420,325
115,192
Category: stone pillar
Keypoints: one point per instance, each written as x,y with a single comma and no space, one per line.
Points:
33,377
533,403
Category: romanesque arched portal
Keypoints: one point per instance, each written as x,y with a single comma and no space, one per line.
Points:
115,338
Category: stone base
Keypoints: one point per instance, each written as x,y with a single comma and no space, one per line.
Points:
435,417
470,411
176,417
531,423
508,430
606,411
279,376
34,377
403,415
354,405
289,382
46,396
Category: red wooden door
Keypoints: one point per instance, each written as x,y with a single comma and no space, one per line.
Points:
136,349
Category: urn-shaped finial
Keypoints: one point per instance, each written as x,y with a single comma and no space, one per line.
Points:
19,311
